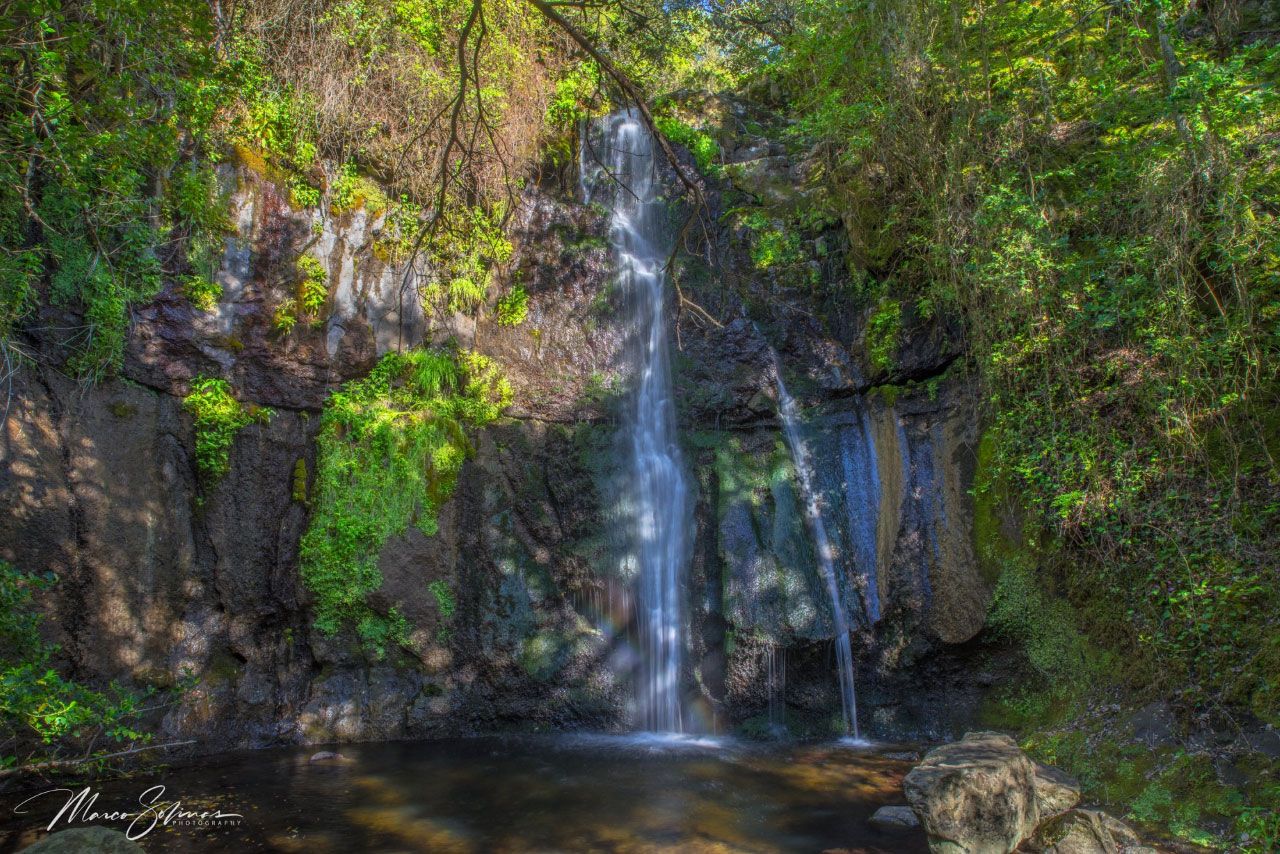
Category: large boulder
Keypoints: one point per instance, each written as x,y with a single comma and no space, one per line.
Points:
1086,832
85,840
976,795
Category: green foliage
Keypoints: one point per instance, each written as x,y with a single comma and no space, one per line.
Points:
272,122
203,293
702,145
390,449
351,190
444,597
884,329
570,104
43,714
514,306
1041,625
1165,787
773,242
285,316
464,253
101,96
218,417
313,289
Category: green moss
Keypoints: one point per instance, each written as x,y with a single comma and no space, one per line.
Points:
300,481
992,546
889,393
389,452
540,655
122,410
218,417
230,343
444,597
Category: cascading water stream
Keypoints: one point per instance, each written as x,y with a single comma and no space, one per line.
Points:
622,165
826,558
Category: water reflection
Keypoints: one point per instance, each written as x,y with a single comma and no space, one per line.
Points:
571,793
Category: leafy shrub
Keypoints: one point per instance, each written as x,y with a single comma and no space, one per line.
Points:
42,713
203,293
703,147
513,307
389,452
285,316
351,190
313,290
884,328
463,255
218,417
774,243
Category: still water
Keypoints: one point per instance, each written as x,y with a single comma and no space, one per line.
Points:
518,794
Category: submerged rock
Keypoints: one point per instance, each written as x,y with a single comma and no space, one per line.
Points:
975,796
328,757
86,840
895,818
1086,832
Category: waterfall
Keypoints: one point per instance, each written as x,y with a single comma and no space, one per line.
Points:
621,162
826,558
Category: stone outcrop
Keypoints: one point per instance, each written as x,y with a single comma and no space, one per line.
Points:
1056,791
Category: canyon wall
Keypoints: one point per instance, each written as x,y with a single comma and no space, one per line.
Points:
165,581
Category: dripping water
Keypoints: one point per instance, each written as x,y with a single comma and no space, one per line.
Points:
822,543
620,165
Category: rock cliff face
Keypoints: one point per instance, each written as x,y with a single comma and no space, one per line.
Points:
163,579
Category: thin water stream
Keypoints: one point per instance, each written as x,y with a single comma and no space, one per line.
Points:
822,546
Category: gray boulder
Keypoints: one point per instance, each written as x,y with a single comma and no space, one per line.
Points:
975,796
85,840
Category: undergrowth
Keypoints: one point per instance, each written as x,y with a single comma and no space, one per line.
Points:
389,452
218,418
44,715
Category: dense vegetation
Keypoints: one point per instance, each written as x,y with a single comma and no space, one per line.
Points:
389,452
46,718
1093,190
